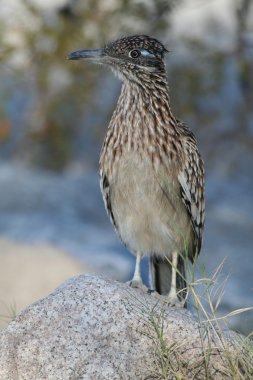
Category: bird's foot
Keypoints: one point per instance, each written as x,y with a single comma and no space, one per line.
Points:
174,301
168,299
138,284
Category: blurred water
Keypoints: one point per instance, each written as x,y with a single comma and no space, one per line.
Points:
65,210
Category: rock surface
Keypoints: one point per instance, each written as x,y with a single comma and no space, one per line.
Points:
94,328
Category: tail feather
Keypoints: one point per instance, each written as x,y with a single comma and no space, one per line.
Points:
161,272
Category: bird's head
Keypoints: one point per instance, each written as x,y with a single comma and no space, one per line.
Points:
128,57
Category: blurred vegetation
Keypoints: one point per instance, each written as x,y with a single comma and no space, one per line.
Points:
49,107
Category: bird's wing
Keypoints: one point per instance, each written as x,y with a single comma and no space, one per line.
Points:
105,189
191,179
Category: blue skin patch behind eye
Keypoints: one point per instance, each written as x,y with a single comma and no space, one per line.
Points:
146,53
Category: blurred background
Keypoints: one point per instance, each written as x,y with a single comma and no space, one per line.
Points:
53,117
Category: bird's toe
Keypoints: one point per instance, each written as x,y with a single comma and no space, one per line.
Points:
138,284
175,302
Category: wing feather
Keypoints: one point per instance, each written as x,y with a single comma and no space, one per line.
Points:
105,189
191,179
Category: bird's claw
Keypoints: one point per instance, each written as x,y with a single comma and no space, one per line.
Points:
138,284
174,302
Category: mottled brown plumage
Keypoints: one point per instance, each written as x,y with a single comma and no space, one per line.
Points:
152,176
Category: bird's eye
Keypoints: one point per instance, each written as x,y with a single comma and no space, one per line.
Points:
134,53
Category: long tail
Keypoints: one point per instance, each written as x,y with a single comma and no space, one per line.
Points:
161,275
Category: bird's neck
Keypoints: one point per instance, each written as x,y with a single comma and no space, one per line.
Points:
149,96
142,116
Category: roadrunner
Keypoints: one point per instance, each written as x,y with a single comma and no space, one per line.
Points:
151,172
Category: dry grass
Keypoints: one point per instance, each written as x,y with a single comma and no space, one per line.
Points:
9,315
235,361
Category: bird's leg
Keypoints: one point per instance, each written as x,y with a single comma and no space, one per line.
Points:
137,271
136,281
172,296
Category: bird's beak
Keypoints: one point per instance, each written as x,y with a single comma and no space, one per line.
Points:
95,55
